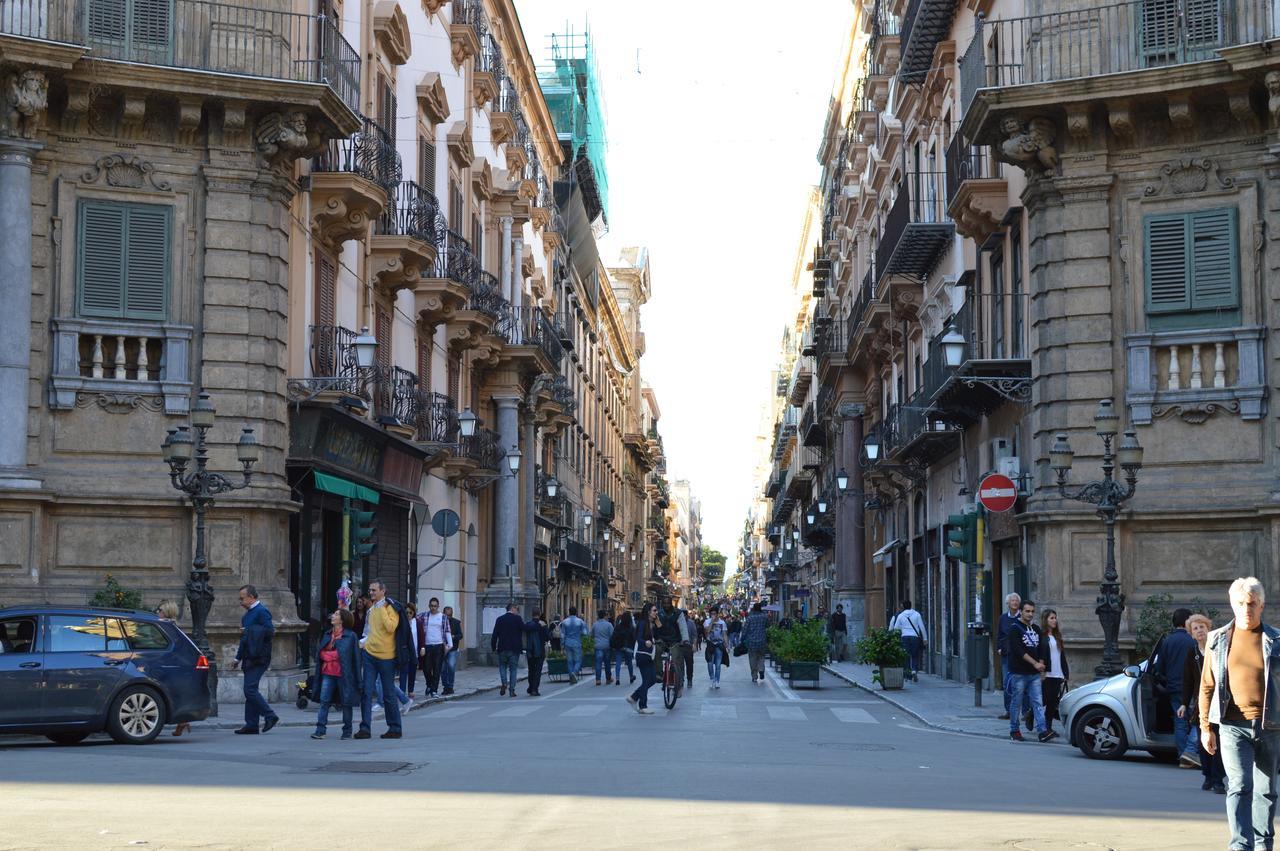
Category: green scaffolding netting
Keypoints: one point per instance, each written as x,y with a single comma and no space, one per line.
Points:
570,82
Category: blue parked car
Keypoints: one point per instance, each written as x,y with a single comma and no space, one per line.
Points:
68,671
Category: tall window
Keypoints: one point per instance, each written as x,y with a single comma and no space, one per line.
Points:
1192,269
455,206
1017,300
386,106
997,304
122,260
427,165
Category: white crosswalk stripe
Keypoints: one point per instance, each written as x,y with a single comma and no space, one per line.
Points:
452,711
720,711
786,713
517,711
853,715
584,710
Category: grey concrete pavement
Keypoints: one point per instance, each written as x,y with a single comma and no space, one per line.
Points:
750,765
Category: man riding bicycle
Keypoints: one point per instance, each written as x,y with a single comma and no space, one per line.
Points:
671,635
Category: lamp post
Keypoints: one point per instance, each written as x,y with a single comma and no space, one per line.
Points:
1109,496
201,486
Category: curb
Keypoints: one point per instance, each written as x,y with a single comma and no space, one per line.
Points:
914,714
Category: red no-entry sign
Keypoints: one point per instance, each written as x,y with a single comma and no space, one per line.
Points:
997,493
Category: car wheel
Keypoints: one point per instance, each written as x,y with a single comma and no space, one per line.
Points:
137,716
1099,734
67,738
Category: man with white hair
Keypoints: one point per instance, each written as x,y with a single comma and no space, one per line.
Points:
1240,714
1008,620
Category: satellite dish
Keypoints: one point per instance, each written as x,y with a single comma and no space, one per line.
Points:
446,522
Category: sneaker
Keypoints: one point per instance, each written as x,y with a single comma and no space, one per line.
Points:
1206,785
390,734
502,689
345,736
1003,716
446,691
632,700
597,682
247,731
1219,789
1016,735
376,707
645,711
270,722
1047,736
317,735
1189,760
363,734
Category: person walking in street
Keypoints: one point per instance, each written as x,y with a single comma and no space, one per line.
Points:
572,629
1057,673
1010,616
1234,698
435,639
1210,764
602,634
555,634
690,645
380,650
409,667
717,646
253,657
508,642
646,649
336,667
754,634
168,610
449,671
623,647
838,630
536,635
1170,660
1027,663
670,636
908,622
735,628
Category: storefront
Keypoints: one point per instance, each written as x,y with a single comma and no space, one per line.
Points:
344,470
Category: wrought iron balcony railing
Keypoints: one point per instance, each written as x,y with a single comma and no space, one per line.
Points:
968,162
925,23
489,58
528,326
917,229
368,153
508,101
395,396
413,212
455,260
333,360
1110,39
435,418
483,448
468,12
193,34
486,298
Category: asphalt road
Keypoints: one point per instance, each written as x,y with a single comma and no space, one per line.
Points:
748,766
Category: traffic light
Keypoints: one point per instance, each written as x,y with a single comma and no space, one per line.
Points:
363,528
962,537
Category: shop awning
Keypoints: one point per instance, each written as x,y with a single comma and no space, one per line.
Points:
341,487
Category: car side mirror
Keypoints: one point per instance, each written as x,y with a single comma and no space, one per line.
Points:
1133,672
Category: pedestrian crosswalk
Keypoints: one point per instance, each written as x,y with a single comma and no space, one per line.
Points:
710,710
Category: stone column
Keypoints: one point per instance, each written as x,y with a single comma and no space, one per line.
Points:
507,502
517,272
15,318
504,273
851,569
528,471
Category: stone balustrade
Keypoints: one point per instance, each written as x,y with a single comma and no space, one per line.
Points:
1195,374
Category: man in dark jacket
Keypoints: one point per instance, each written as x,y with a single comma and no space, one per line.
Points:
1170,660
254,657
508,642
838,633
536,635
1009,617
1027,651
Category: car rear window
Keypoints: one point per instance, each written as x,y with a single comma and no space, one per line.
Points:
18,635
145,636
77,634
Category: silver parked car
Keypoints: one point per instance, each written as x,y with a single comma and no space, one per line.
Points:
1107,717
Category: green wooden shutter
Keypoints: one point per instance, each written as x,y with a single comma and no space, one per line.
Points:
106,27
1203,23
150,22
1167,263
1214,259
100,259
1159,31
147,261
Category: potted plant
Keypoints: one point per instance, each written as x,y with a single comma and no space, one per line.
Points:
557,664
883,648
806,650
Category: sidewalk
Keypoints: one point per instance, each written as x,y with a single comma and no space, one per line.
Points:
470,681
939,703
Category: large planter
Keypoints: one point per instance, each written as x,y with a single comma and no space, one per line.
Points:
785,669
557,668
805,672
891,678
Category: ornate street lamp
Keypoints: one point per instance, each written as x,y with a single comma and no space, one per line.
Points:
201,486
953,345
366,346
467,423
1109,496
872,447
513,459
552,487
842,479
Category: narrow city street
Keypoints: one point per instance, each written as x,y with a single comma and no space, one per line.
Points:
745,766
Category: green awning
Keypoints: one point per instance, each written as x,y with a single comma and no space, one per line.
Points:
342,487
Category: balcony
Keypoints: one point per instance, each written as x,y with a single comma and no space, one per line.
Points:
487,69
1195,374
405,237
395,400
1071,58
502,123
885,47
445,288
801,377
120,365
926,23
977,192
475,461
335,371
203,42
995,369
812,430
350,184
533,346
435,419
921,436
776,484
917,231
465,25
784,434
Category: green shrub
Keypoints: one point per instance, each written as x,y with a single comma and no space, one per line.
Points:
804,643
1156,619
113,596
556,654
882,648
588,646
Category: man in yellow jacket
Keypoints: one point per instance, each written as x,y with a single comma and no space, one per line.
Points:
379,662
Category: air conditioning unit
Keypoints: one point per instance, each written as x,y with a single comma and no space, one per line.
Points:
1011,467
1000,449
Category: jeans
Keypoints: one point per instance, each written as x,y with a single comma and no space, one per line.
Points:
1251,757
713,666
450,670
408,676
647,678
535,674
255,705
509,669
838,639
1183,735
688,662
911,643
1026,687
432,661
756,660
620,656
573,658
380,697
379,671
604,658
329,686
1026,700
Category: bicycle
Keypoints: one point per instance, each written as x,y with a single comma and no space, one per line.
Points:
672,677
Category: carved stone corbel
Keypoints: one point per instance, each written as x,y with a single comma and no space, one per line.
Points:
1120,117
1272,81
133,115
75,115
1240,103
1181,113
1079,124
282,138
234,132
189,112
25,97
1029,146
391,273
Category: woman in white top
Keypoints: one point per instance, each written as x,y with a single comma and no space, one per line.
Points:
1057,673
717,638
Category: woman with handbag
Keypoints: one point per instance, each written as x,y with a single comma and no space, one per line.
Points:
645,648
1215,774
717,632
336,669
1057,674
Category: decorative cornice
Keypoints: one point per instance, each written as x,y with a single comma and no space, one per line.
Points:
432,99
391,29
126,173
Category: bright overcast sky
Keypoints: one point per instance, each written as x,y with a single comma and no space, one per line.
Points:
715,114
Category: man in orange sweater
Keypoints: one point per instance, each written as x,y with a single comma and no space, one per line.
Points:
379,662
